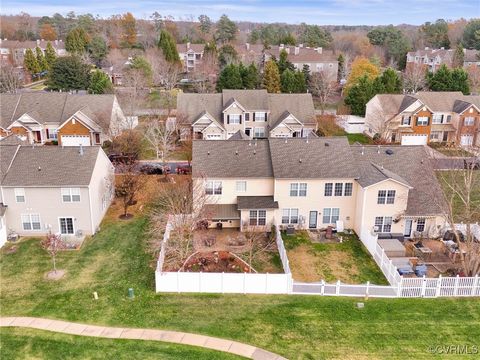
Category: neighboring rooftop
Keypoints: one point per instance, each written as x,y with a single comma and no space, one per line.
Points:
47,166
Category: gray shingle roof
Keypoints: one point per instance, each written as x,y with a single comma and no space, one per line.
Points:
239,135
12,139
53,107
256,202
231,159
191,106
317,158
7,153
51,166
222,211
414,166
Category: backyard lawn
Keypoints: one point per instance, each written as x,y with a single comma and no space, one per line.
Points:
298,327
348,261
17,343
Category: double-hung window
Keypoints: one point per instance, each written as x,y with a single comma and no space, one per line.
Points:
422,121
234,119
290,216
390,196
436,135
259,132
383,224
338,189
331,215
469,121
260,116
258,217
19,195
421,225
328,189
298,189
52,134
31,222
437,119
406,120
241,186
70,194
348,189
382,196
213,188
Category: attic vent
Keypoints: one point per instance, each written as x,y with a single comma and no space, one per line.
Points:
208,152
254,152
389,152
327,144
300,160
39,168
236,152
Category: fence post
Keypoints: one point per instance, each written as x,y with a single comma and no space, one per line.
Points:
455,289
367,290
200,281
322,289
337,288
439,286
266,283
424,285
244,282
178,282
400,287
390,275
221,283
475,285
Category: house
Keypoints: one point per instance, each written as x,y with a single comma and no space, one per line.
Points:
316,183
190,55
432,59
66,119
14,51
256,113
418,119
65,190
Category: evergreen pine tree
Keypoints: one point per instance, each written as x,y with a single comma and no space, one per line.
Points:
42,63
288,81
50,55
30,62
300,82
249,76
391,82
168,45
100,83
271,77
230,78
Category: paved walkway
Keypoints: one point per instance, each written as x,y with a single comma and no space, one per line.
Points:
208,342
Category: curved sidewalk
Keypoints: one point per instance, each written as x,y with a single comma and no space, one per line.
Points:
208,342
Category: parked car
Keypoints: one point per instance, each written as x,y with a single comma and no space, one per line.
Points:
184,169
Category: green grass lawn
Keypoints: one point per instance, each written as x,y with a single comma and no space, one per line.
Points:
18,343
348,261
298,327
360,138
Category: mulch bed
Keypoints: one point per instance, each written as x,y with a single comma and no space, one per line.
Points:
216,261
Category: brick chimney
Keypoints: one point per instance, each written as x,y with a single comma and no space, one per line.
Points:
319,50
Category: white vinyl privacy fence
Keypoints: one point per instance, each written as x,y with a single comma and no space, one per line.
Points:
254,283
246,283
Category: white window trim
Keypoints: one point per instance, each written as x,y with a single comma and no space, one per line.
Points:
214,187
243,186
422,121
20,192
71,192
257,217
325,189
237,121
298,189
60,225
30,221
330,215
381,227
471,121
424,224
289,210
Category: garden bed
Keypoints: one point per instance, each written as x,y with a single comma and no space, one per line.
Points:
216,261
347,261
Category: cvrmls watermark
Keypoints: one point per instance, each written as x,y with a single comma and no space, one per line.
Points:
454,349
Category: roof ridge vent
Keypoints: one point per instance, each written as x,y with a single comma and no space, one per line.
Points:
300,160
254,152
236,152
208,152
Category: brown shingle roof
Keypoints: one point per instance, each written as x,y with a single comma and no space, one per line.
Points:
256,202
222,211
51,166
54,107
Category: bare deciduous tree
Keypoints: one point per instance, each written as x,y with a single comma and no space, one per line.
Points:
461,205
9,79
414,78
161,136
53,243
128,186
257,242
185,206
165,73
135,81
474,78
323,88
377,125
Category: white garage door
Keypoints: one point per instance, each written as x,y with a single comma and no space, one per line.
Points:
466,140
414,139
75,140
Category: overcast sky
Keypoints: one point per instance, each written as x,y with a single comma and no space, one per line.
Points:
323,12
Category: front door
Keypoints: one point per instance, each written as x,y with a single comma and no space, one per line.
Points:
408,228
248,131
66,226
445,136
312,223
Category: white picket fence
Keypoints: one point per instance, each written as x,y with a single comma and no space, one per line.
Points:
241,283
